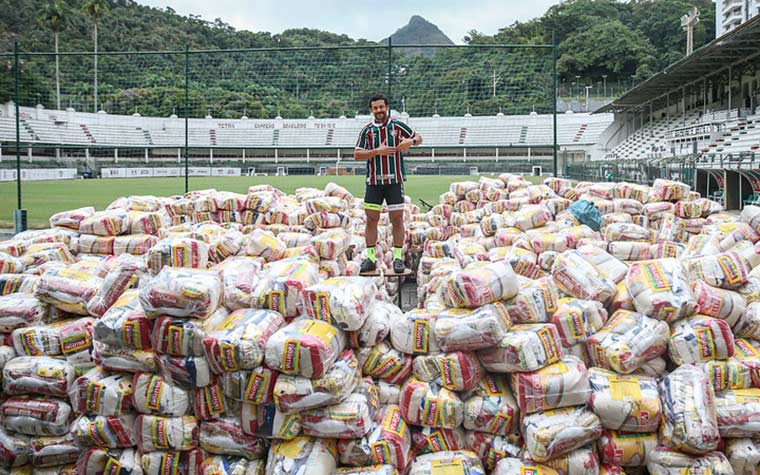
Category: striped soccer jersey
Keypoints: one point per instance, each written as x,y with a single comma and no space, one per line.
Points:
385,169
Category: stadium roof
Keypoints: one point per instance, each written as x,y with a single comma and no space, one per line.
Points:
738,45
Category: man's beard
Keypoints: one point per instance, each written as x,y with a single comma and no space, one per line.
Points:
380,116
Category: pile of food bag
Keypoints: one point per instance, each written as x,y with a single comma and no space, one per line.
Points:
223,333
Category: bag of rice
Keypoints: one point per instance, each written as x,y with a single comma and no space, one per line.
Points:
304,347
625,403
187,293
660,289
561,384
524,348
430,405
556,432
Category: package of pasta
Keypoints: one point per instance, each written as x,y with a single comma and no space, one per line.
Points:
35,416
98,392
626,449
187,372
413,332
95,460
377,326
237,341
388,442
666,461
491,408
152,394
325,220
91,244
105,431
10,264
114,358
556,432
578,277
480,284
726,305
738,412
125,324
430,405
577,319
18,310
331,243
689,417
660,289
226,437
515,466
38,257
255,386
178,252
68,289
564,383
385,362
525,348
457,371
668,190
427,440
341,301
225,245
535,303
744,455
42,375
303,454
166,433
459,329
239,276
461,462
625,403
281,284
105,223
296,393
171,462
627,341
187,293
582,461
304,347
348,419
699,338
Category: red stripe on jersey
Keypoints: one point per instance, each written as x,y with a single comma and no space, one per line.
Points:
371,141
397,155
384,158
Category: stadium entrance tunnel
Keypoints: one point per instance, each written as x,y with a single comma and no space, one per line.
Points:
742,187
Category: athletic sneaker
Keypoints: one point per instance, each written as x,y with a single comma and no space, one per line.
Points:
368,266
398,266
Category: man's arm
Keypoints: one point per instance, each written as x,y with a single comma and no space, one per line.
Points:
413,141
364,155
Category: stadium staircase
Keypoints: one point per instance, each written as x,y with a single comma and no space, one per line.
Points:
462,135
87,133
29,129
740,136
212,136
523,134
579,134
330,135
276,137
148,138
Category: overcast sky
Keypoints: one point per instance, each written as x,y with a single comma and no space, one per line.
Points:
369,19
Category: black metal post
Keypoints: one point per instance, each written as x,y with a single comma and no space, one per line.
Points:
187,114
390,69
18,124
554,100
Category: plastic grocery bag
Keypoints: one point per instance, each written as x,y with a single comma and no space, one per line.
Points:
480,284
429,405
377,326
696,339
550,434
304,347
343,302
458,329
462,462
41,375
457,371
515,466
255,386
666,461
490,407
625,403
728,270
719,303
306,455
281,284
388,443
187,293
660,289
627,341
178,252
239,277
688,397
576,276
738,412
186,462
536,302
564,383
225,436
104,431
577,319
743,455
385,362
525,348
35,416
350,418
586,213
166,433
626,450
152,394
98,392
68,289
125,324
95,460
413,332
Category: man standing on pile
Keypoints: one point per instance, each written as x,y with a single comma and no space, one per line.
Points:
382,144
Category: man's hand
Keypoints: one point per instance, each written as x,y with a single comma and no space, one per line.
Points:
384,149
405,145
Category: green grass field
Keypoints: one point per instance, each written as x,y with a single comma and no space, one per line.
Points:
43,198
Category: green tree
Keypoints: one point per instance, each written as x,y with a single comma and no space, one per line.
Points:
96,9
55,18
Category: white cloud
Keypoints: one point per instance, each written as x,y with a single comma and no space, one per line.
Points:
370,19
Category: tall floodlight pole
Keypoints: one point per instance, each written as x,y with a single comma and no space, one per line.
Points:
688,22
